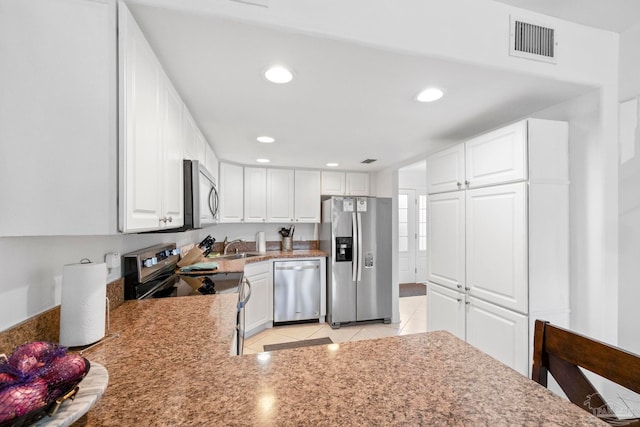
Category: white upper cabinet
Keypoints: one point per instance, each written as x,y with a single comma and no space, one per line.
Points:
357,184
151,147
497,157
255,194
333,183
58,117
280,193
231,193
345,183
445,170
211,161
173,177
307,196
190,137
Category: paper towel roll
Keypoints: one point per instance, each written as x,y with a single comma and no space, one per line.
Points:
83,304
261,244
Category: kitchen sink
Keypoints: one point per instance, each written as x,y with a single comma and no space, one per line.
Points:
242,255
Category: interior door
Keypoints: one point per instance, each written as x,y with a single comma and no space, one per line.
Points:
407,235
421,240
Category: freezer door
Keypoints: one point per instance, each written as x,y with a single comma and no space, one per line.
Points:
373,289
341,289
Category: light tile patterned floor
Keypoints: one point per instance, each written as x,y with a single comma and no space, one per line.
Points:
413,319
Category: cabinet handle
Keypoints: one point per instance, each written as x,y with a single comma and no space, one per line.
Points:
467,302
459,299
459,184
466,288
459,286
163,219
467,183
170,219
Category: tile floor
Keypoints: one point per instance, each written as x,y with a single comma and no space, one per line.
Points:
413,319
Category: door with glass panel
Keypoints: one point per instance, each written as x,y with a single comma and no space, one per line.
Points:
407,235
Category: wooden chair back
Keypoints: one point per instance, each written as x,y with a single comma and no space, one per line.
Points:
561,352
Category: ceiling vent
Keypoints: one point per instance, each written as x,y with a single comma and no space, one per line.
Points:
368,161
260,3
532,41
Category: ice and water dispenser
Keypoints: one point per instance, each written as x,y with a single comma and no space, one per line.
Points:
344,249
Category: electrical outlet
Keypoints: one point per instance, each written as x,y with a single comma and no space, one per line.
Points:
112,260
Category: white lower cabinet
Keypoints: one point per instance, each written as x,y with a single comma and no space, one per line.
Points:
501,333
445,310
259,309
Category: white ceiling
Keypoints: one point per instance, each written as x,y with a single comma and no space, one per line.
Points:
346,103
612,15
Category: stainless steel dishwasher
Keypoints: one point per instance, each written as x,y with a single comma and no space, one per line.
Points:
296,290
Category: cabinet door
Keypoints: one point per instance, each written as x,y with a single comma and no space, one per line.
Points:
446,239
190,135
445,310
211,161
142,125
173,188
502,334
445,170
231,193
333,183
307,196
201,145
357,184
497,245
255,194
257,308
497,157
280,183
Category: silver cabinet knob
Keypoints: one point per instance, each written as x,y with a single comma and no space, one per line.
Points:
459,299
170,219
459,286
466,288
468,302
467,183
459,184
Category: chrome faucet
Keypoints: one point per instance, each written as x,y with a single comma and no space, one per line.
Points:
226,244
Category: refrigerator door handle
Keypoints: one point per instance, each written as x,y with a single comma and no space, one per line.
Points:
356,246
359,246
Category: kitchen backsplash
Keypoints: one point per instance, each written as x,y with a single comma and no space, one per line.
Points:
46,326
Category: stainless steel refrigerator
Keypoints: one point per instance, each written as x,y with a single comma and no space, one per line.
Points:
356,232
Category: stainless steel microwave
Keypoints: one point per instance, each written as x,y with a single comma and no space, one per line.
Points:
201,199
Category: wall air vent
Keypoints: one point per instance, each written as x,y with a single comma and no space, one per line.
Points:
368,161
532,41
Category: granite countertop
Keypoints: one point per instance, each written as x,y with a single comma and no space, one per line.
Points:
171,366
237,265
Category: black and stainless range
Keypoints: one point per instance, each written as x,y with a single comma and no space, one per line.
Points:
151,273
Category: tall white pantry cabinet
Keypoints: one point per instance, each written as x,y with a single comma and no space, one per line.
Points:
498,238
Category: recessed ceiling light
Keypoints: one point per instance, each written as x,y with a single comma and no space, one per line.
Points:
263,160
278,74
430,94
265,139
332,165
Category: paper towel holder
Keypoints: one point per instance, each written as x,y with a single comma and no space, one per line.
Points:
109,336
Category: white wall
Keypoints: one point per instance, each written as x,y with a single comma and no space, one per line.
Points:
629,201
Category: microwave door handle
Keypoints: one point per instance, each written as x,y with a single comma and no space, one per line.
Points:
217,202
355,246
211,201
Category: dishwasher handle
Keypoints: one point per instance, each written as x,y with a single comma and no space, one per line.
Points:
299,267
243,302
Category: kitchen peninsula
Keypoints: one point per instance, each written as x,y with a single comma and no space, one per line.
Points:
177,371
